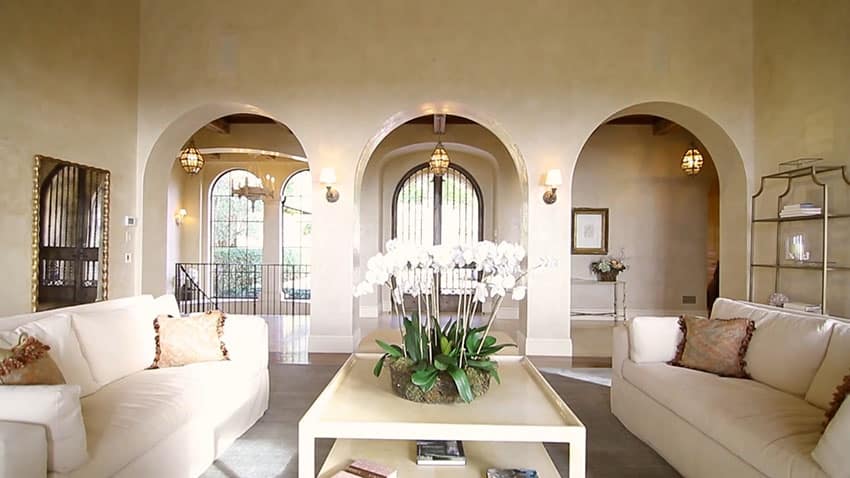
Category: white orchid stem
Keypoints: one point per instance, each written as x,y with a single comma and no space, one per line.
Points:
493,312
400,319
419,325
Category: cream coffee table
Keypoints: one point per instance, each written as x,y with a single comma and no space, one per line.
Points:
505,428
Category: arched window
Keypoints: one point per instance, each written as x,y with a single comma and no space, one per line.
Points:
430,209
296,231
236,223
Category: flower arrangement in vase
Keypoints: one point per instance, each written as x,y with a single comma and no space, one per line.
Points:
450,362
608,268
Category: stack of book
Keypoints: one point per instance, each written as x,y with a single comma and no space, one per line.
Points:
800,210
366,469
440,453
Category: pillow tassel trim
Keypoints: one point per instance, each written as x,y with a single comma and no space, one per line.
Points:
838,398
742,350
28,350
680,350
219,328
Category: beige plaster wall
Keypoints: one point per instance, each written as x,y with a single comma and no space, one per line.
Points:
67,90
802,93
658,218
342,75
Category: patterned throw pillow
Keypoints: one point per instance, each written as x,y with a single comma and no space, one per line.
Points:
714,345
838,397
185,340
28,364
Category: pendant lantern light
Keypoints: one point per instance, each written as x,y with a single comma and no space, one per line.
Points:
190,159
692,161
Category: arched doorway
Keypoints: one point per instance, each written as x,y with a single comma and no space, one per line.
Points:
226,250
730,190
483,198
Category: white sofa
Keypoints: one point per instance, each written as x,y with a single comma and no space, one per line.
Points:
708,426
117,418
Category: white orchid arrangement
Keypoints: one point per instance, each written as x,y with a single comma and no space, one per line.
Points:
411,270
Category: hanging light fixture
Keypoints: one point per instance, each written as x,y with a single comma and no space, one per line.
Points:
692,161
439,163
191,159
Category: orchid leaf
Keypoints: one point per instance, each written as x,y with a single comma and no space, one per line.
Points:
425,378
462,383
393,350
379,365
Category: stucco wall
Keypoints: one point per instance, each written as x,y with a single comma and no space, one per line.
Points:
67,90
340,73
802,93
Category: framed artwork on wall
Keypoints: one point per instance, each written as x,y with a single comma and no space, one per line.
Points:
590,231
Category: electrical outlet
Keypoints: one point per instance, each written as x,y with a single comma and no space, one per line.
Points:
689,299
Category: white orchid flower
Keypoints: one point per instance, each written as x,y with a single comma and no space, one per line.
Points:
519,293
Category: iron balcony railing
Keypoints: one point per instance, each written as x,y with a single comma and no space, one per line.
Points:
255,289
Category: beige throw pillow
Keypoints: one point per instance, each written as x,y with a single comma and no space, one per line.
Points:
28,364
714,345
185,340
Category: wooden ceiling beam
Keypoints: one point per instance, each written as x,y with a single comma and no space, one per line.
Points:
220,126
662,126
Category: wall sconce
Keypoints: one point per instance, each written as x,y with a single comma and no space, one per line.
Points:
328,177
553,180
179,216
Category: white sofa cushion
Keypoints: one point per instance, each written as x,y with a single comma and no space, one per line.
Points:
786,349
832,452
57,408
56,332
132,415
773,431
836,364
654,339
166,305
116,343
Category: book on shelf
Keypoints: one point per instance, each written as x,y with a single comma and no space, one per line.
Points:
803,307
511,473
440,453
367,469
808,212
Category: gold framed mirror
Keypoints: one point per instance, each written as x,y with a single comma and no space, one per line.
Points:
70,233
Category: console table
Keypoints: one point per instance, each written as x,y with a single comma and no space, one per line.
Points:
618,298
505,428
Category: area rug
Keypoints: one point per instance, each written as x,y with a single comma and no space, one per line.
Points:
270,448
599,376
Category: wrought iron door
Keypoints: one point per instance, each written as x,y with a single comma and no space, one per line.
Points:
72,225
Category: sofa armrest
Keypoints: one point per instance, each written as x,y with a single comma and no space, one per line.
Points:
653,339
620,350
247,340
23,450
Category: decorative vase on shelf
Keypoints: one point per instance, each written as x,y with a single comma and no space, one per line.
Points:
610,276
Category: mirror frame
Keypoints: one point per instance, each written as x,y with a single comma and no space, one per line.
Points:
36,227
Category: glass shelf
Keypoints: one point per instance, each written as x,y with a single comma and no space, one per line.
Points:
815,266
802,218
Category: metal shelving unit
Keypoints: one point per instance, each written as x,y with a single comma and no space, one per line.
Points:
817,176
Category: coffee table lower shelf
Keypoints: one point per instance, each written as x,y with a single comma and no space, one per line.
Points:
480,456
